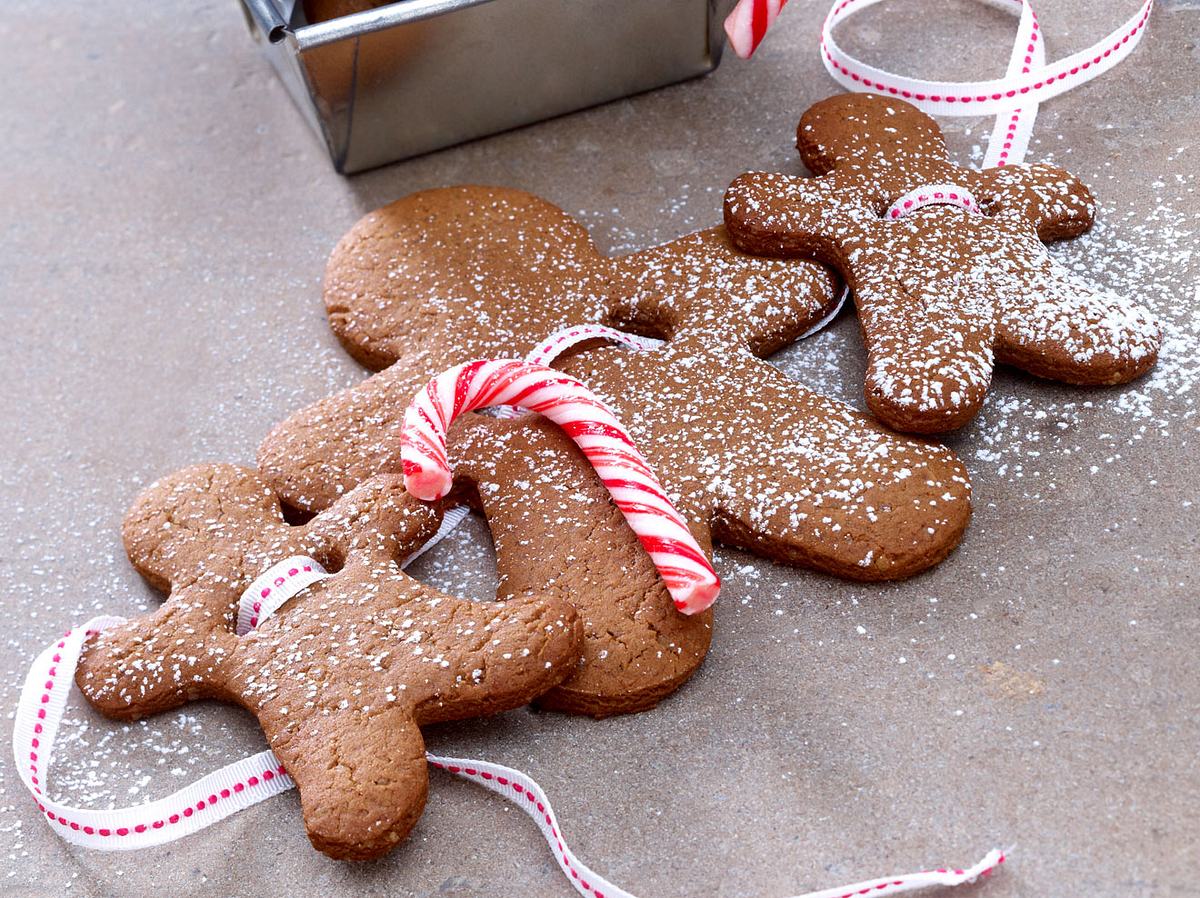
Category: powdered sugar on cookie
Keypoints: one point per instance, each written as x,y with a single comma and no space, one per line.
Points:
942,291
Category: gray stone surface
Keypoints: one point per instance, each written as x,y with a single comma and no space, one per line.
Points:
164,221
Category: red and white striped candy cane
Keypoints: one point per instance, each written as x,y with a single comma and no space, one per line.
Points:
1013,98
689,577
747,24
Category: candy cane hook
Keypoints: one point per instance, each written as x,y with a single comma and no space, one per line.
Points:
685,569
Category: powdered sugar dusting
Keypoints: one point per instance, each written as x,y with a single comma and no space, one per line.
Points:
940,288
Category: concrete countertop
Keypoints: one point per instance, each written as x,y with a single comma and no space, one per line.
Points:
164,223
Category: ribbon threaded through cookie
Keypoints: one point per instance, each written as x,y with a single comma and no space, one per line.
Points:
933,195
251,780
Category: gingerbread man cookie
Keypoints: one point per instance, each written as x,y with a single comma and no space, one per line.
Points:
750,458
343,675
946,264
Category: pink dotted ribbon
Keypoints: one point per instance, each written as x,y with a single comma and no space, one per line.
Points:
185,811
526,794
686,571
273,587
1028,81
288,578
251,780
933,195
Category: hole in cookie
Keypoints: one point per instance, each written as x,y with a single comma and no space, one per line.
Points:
462,564
296,517
659,327
332,559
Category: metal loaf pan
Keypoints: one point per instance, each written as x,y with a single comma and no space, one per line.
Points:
419,75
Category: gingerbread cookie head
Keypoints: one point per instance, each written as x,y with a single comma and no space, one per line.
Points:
755,460
344,674
947,265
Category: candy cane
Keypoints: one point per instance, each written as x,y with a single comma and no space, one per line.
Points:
553,346
256,778
1014,98
747,25
689,577
543,354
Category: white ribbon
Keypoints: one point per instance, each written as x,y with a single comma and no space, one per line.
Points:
253,779
1014,98
933,195
192,808
287,578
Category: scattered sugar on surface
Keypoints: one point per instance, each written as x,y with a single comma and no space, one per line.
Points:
1024,424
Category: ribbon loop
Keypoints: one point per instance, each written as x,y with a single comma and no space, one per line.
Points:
933,195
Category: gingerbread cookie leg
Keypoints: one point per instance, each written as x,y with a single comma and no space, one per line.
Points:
786,473
1052,322
362,779
1061,327
821,486
557,532
929,351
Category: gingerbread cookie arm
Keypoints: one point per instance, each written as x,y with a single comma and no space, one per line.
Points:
160,661
178,534
323,451
1062,327
770,214
376,521
683,285
1055,203
343,674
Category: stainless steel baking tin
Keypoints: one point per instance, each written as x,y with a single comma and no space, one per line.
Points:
419,75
